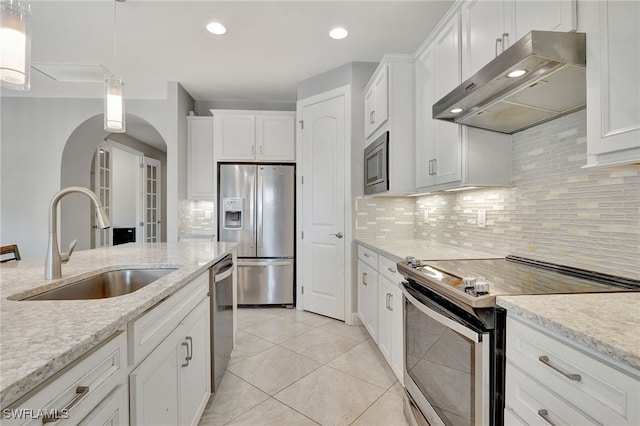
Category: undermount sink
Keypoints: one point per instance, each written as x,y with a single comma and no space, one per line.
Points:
105,285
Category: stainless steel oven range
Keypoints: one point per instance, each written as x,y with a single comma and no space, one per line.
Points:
455,334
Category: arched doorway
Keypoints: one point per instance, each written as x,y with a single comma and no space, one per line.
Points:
78,168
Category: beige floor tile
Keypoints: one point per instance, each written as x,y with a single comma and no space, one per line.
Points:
320,345
251,316
355,332
272,413
278,330
308,318
234,397
367,363
274,369
387,411
330,397
248,345
397,388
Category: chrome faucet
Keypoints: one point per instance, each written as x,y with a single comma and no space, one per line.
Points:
54,260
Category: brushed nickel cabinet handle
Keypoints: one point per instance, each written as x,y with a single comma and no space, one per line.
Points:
390,302
498,42
185,344
81,392
393,271
364,278
189,339
545,360
545,416
505,41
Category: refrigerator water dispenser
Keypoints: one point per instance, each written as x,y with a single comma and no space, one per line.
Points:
233,209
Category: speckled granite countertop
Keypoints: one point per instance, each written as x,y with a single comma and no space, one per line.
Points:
607,323
39,338
422,249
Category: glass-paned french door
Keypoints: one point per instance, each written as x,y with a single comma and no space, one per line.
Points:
151,200
103,185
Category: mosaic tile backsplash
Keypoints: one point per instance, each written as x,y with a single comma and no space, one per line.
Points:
197,217
555,211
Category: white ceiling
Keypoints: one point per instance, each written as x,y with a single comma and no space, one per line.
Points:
270,46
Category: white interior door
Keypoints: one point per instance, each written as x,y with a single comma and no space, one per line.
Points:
151,201
323,136
102,188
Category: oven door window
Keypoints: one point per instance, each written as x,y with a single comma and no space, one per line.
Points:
446,366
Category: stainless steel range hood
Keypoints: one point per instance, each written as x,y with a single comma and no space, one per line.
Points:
554,84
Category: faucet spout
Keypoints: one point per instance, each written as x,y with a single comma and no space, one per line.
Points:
53,260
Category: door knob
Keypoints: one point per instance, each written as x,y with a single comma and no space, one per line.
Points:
339,235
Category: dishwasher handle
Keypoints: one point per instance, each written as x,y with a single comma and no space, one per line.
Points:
223,269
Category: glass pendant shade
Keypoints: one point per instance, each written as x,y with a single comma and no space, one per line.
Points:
113,105
15,45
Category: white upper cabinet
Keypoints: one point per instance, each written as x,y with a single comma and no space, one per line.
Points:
613,77
449,155
395,79
376,101
201,169
254,135
490,27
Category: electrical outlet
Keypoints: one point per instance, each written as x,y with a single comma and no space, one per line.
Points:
482,218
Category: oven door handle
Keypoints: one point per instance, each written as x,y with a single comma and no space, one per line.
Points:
448,322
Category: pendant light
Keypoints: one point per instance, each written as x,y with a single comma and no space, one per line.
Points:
113,93
15,45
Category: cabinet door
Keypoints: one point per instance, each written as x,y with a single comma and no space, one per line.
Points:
195,376
613,58
364,275
275,137
154,386
376,102
235,136
385,318
482,26
425,125
397,331
368,298
448,140
201,170
559,15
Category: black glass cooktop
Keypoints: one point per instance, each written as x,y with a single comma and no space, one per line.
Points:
518,276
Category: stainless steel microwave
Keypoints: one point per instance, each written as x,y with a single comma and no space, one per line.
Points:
376,165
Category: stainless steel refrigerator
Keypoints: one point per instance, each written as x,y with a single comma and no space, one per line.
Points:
257,209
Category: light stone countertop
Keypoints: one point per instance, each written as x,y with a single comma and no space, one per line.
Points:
39,338
422,249
608,323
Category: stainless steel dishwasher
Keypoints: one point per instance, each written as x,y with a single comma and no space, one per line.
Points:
221,299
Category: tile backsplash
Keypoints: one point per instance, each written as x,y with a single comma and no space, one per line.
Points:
197,218
555,210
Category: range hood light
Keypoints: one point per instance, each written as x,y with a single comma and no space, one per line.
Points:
456,110
516,73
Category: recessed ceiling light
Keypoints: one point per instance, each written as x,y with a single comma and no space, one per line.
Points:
216,28
456,110
338,33
516,73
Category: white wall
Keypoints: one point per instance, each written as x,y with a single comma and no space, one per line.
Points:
33,135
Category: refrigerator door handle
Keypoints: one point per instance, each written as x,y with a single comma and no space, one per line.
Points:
259,207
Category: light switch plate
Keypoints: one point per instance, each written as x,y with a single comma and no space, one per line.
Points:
482,218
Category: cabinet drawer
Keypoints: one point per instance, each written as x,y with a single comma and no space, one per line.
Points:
599,389
75,391
389,269
150,329
535,404
112,411
368,256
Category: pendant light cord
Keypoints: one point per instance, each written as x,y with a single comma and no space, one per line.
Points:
115,38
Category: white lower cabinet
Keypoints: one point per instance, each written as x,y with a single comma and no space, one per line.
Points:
171,386
380,306
79,390
112,411
550,380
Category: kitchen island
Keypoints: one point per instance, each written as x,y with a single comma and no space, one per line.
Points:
40,338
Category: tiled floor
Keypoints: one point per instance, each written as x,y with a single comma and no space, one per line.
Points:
297,368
